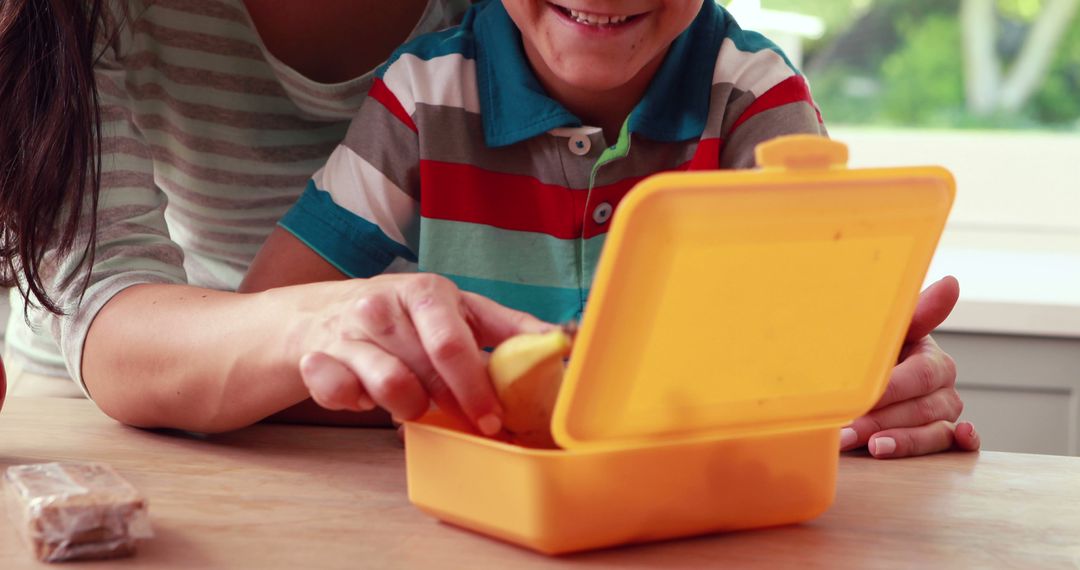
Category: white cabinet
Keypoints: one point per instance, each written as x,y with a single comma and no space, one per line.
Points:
1022,392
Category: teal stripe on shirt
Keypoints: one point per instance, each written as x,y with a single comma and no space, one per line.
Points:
455,40
486,252
550,304
357,247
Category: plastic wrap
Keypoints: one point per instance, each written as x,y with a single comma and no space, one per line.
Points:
76,511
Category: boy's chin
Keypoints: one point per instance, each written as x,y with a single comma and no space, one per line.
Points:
594,80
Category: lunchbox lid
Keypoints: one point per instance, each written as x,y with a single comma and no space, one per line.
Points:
751,301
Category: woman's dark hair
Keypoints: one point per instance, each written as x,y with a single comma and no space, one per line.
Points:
49,137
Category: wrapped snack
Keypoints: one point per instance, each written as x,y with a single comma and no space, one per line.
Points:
76,511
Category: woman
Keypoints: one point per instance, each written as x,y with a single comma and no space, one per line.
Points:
220,110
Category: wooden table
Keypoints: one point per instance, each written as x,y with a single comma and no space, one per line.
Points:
275,496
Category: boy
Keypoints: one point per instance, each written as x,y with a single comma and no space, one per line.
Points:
495,153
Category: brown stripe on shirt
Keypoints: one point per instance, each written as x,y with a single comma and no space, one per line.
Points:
178,210
800,117
454,135
168,156
118,144
198,41
272,154
208,8
238,119
197,77
242,200
734,101
393,152
126,179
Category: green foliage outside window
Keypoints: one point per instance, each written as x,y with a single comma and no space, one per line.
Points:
901,63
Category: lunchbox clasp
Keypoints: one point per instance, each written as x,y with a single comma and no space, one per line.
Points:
802,152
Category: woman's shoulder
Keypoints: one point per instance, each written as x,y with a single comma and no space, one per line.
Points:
117,14
168,21
121,13
130,10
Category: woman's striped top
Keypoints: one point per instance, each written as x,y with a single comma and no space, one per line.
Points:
207,140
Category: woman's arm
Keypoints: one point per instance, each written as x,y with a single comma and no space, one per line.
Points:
209,361
190,358
208,329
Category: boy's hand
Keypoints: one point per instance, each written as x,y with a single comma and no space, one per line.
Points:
403,341
915,415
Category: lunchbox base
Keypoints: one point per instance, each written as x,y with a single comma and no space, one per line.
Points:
558,501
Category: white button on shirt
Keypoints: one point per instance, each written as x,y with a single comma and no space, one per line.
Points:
580,144
602,213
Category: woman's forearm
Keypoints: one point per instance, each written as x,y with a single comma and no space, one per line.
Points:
189,358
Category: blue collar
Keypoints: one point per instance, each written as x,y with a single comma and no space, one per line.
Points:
515,107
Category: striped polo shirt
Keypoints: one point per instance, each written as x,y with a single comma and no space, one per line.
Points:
207,140
459,164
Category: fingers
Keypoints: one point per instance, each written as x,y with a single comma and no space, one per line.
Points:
941,405
436,310
924,440
332,385
382,321
908,442
924,370
935,304
361,374
966,438
407,339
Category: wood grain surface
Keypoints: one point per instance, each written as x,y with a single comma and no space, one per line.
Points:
281,496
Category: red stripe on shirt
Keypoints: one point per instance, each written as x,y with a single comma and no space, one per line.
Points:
791,90
464,193
381,93
706,157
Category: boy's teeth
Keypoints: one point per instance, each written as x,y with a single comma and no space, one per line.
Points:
596,19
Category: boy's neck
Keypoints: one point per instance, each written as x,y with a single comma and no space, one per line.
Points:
605,109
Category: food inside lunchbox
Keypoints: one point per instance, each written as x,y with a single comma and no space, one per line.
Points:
527,371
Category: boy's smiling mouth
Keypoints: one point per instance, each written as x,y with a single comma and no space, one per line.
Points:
595,20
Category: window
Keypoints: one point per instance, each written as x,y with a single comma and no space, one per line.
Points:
987,88
971,64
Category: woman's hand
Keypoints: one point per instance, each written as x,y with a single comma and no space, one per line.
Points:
396,341
916,414
403,341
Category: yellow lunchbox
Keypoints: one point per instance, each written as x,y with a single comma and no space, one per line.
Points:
736,322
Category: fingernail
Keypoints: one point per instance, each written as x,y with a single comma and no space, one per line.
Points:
305,363
489,425
365,403
847,437
312,375
883,446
